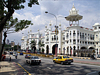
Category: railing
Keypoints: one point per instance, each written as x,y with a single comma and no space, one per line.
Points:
41,55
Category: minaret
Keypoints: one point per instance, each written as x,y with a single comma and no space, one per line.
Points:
73,17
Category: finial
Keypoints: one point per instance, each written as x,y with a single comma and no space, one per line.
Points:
60,24
30,30
50,23
45,26
73,6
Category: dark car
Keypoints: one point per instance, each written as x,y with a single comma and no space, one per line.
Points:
21,53
27,55
50,54
11,53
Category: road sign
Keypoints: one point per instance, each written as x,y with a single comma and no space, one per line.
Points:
56,31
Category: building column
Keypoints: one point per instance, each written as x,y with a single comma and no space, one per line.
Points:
38,39
45,38
50,49
69,50
72,41
59,38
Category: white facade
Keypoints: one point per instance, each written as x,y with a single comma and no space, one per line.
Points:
96,28
30,37
74,37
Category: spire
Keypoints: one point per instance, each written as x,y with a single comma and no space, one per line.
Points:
73,11
50,23
73,6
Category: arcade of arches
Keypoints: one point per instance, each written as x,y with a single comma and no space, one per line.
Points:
82,52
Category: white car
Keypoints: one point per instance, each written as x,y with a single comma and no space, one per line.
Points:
14,53
33,60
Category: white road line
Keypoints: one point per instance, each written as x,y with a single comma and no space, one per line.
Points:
48,67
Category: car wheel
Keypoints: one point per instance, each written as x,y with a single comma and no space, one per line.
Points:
26,61
29,62
62,63
54,61
69,63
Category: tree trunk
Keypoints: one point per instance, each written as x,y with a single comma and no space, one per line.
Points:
5,35
0,42
3,21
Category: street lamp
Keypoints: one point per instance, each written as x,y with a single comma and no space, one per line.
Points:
56,32
53,15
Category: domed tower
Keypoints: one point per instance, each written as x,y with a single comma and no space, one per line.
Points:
73,17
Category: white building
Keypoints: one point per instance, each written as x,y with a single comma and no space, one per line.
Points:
26,40
74,40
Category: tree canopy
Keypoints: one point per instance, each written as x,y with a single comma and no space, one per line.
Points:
8,7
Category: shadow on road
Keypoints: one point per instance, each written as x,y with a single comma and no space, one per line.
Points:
58,69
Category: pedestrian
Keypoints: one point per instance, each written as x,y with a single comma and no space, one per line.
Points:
10,58
16,55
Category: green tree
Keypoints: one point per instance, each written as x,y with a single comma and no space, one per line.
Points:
8,7
12,26
42,50
33,44
40,44
7,47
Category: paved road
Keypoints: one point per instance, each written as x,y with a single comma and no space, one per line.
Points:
47,67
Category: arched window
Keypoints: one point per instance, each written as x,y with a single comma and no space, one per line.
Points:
70,33
74,33
52,38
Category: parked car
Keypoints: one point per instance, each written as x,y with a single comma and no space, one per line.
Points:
21,53
33,60
11,53
63,59
27,55
14,53
50,54
94,73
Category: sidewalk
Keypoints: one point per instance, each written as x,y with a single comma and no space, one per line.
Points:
82,57
8,67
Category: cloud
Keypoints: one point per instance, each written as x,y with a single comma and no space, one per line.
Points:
89,10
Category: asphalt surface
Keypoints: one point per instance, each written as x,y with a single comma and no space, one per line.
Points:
47,67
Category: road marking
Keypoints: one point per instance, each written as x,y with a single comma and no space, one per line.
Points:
48,67
24,69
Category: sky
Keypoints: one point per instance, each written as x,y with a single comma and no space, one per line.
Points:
89,9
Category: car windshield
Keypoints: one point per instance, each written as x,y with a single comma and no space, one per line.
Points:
65,57
35,58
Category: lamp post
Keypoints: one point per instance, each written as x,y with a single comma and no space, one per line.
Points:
56,32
